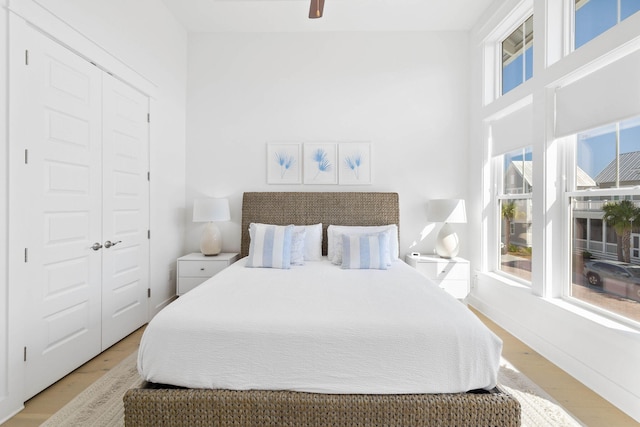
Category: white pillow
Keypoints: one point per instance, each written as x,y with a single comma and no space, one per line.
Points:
365,251
334,238
312,241
297,246
270,246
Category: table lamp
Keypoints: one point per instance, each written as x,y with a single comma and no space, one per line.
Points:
210,210
448,211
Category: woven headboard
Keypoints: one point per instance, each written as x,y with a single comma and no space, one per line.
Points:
305,208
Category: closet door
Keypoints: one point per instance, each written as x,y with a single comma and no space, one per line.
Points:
57,120
125,269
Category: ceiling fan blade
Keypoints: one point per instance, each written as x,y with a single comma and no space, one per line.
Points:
315,10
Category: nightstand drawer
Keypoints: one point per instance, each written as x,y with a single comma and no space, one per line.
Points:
200,268
195,268
444,270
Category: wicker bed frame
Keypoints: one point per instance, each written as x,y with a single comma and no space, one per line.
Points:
160,405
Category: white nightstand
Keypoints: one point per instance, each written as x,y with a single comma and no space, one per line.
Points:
195,268
452,275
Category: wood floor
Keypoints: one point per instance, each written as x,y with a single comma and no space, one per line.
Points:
583,403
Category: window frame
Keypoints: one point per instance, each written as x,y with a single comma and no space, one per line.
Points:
499,49
499,197
570,148
572,24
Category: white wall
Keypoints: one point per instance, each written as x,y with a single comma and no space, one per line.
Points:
601,353
139,42
407,93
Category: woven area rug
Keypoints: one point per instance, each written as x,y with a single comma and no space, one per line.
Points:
100,405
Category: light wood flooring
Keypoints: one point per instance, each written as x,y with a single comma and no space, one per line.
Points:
583,403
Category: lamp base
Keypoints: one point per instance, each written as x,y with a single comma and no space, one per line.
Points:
447,244
211,240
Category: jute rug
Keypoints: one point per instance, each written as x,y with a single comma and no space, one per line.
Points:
100,405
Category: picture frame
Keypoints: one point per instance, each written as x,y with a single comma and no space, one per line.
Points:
320,163
355,162
284,163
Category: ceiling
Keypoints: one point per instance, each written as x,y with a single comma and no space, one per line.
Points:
339,15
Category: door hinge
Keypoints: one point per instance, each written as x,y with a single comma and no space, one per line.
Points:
148,117
26,57
148,292
148,176
25,354
148,234
26,254
26,156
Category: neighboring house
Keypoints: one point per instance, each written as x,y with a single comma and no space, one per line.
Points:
519,180
628,176
591,233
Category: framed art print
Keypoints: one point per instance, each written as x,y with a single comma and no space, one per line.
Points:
284,163
320,163
355,163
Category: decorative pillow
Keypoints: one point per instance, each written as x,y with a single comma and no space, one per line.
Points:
312,241
297,246
369,251
270,246
338,246
334,239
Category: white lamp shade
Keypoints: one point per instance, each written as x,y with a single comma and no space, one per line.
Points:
447,210
206,210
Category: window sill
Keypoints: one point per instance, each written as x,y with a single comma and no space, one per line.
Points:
567,305
594,316
509,280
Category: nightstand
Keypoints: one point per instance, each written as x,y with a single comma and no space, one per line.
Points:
195,268
452,275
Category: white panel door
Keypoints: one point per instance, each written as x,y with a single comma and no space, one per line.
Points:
125,268
59,123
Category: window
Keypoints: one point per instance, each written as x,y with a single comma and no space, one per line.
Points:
594,17
515,214
517,56
605,212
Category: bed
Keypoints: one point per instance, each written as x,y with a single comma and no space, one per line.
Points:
247,362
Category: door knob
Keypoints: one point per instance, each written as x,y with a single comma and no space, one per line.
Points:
96,246
108,243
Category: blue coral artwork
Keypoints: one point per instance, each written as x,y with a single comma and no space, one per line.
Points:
284,164
355,163
320,163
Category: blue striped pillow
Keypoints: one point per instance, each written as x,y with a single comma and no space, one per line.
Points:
369,251
270,246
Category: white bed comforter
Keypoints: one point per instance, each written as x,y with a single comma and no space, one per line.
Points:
319,328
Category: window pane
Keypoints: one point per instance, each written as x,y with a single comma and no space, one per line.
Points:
517,56
512,74
628,8
600,276
515,233
517,172
594,17
597,164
